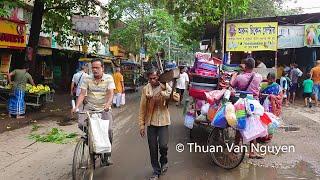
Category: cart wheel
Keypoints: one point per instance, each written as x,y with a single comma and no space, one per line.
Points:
222,139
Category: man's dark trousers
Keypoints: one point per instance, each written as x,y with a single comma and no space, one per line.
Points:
158,137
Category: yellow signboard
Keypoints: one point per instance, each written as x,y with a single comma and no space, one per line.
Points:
12,34
252,36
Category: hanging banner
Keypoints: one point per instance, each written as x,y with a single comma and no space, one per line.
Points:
252,36
12,34
290,37
312,35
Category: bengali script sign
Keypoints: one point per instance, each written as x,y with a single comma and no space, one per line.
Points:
252,36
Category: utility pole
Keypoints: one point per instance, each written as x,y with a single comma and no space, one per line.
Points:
169,48
86,44
223,34
142,37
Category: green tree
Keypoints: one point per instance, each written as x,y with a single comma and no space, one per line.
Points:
52,16
158,26
267,8
6,5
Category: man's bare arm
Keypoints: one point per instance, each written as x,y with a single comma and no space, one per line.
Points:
71,88
81,98
109,97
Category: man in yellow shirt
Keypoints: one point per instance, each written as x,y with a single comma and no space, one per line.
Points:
118,80
315,75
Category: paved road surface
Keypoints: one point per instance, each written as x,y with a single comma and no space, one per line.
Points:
130,155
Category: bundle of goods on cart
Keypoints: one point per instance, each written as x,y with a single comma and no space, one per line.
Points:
246,114
204,75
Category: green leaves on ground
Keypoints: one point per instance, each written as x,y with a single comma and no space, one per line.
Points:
35,127
57,136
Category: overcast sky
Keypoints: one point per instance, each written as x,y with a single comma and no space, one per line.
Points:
309,6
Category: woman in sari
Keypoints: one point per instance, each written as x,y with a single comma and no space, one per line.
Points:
272,92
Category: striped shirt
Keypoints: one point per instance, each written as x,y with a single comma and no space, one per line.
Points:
96,92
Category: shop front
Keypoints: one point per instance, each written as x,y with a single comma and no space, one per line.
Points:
12,45
258,40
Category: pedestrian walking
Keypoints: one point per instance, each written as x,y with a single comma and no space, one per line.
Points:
307,90
77,80
154,115
182,84
315,75
295,73
119,91
17,105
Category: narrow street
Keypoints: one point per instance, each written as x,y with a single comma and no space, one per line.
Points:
21,159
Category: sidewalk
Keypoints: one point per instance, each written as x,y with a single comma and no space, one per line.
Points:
23,158
58,111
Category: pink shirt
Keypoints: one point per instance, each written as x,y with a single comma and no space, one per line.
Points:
242,80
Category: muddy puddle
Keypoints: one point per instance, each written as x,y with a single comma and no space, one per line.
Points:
302,170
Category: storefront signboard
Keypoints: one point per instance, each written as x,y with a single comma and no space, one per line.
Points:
290,37
12,34
252,36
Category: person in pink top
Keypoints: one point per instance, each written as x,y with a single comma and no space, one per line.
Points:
248,80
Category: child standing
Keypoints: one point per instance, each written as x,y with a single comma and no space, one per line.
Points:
307,90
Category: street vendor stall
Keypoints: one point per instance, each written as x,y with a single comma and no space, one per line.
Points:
234,118
131,72
36,96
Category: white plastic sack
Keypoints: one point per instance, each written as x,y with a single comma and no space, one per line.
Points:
266,105
188,121
123,99
99,134
254,107
253,130
205,109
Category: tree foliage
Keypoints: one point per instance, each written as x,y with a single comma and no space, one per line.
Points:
267,8
157,24
7,5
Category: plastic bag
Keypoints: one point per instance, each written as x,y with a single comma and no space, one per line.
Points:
212,112
241,123
188,121
205,109
214,96
265,119
199,104
266,105
240,113
100,134
274,123
253,130
254,107
220,119
123,99
201,118
231,115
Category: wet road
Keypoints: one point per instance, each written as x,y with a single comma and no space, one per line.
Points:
22,159
131,155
